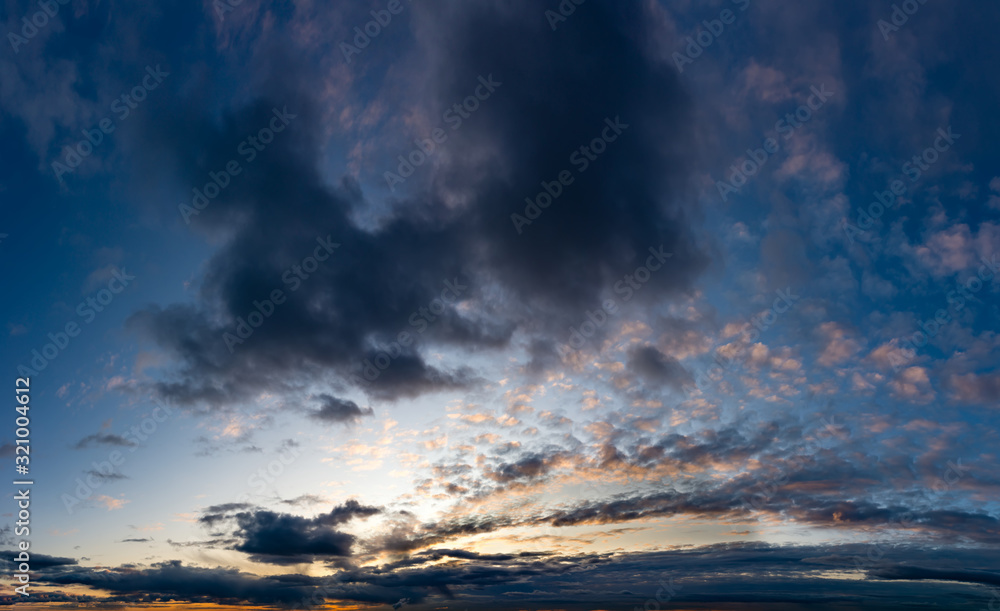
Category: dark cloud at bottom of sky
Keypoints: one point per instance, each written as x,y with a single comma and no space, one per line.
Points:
723,577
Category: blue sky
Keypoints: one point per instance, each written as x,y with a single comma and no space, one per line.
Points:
685,305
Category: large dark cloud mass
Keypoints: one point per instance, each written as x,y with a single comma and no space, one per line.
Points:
712,577
279,538
451,224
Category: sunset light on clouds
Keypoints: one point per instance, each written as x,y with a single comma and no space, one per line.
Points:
484,305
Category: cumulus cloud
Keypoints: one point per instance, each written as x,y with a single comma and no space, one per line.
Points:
348,313
280,538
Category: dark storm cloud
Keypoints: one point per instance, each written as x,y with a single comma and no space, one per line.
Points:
557,91
746,576
279,538
42,562
658,369
286,539
172,580
332,409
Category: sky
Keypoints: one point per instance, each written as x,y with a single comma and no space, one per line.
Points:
502,305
